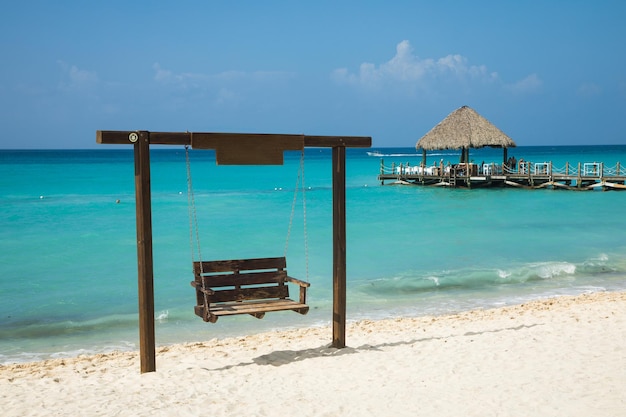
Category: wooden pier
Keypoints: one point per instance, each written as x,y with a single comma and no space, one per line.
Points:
530,175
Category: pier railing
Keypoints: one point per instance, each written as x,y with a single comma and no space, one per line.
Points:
586,169
587,175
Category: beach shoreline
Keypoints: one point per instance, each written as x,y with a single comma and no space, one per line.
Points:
558,356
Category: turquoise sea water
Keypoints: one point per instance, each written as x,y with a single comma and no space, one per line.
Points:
68,273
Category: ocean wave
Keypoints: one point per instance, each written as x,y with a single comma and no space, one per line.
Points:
544,270
380,155
43,327
475,278
35,356
162,316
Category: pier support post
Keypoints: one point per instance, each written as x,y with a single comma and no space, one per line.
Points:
551,176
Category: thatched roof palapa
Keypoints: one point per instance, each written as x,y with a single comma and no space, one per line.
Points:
464,129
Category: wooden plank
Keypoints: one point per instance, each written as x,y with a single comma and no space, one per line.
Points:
144,254
256,293
240,265
112,137
121,137
259,313
252,308
249,308
199,292
198,286
255,304
170,138
247,149
252,278
297,281
333,141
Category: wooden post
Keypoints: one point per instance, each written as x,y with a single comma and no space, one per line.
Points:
144,251
339,247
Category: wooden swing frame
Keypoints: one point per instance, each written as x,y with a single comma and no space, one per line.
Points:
230,149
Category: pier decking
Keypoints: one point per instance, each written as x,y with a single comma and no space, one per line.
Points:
531,175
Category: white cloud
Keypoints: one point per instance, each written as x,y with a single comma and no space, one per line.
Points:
621,87
589,90
530,84
226,88
186,79
226,97
183,79
161,74
78,76
407,68
74,78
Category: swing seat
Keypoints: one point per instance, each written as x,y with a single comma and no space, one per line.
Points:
245,286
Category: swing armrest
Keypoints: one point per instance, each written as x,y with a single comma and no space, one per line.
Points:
297,281
303,286
207,291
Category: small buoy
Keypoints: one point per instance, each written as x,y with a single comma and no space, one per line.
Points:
41,197
117,201
180,193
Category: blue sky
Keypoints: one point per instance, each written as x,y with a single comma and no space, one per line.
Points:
545,72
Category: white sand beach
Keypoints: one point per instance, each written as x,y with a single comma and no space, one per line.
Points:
558,357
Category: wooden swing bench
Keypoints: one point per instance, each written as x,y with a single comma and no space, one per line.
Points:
244,286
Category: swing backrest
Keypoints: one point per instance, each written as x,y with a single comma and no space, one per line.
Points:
242,279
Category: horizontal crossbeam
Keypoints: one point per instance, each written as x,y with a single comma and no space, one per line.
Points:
127,137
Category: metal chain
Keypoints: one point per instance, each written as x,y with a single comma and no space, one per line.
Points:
299,183
191,207
306,238
193,224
